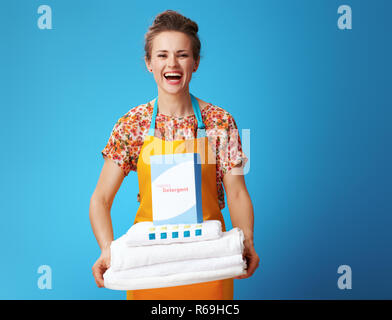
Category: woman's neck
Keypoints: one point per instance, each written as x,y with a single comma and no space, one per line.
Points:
179,105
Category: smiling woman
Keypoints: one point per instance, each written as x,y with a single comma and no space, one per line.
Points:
172,62
172,55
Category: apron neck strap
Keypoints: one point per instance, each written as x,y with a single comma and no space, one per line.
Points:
201,132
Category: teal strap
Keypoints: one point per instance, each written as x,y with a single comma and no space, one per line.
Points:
201,132
151,131
197,112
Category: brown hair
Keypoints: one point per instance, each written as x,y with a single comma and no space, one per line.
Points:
171,20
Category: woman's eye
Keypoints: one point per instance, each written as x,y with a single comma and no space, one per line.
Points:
163,55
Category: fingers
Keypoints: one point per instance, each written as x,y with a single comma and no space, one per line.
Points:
253,263
98,271
100,267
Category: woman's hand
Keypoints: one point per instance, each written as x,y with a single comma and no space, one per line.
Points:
101,201
241,214
100,266
252,260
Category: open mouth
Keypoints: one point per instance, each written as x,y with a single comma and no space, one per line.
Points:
173,76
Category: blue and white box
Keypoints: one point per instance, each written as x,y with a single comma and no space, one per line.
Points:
176,188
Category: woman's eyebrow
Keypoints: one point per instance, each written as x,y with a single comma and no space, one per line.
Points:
167,51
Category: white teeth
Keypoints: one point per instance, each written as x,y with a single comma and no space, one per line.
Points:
172,74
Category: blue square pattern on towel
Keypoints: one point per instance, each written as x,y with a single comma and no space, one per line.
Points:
151,236
187,234
163,235
175,235
198,232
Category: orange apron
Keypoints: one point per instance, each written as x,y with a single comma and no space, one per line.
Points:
212,290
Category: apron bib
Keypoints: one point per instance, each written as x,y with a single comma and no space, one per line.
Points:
212,290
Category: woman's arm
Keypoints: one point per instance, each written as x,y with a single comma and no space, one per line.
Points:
241,214
101,202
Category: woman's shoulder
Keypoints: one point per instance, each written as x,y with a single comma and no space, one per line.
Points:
213,109
137,115
134,124
215,116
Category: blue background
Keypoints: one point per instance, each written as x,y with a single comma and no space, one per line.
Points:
314,97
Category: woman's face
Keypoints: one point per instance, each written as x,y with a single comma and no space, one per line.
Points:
172,53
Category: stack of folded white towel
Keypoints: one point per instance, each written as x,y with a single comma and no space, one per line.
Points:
149,256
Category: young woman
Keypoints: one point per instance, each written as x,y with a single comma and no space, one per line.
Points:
172,55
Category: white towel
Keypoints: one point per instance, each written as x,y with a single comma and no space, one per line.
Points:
164,269
125,257
145,233
114,283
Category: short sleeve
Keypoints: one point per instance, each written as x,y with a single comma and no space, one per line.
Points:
231,153
123,146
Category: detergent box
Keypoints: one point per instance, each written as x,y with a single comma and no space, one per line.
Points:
176,188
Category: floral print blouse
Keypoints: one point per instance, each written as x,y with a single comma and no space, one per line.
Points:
128,134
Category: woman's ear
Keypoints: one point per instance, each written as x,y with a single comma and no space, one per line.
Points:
196,65
148,64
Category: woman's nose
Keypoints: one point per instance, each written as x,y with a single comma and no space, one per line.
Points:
172,61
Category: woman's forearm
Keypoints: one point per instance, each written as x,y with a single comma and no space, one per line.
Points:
241,214
101,222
